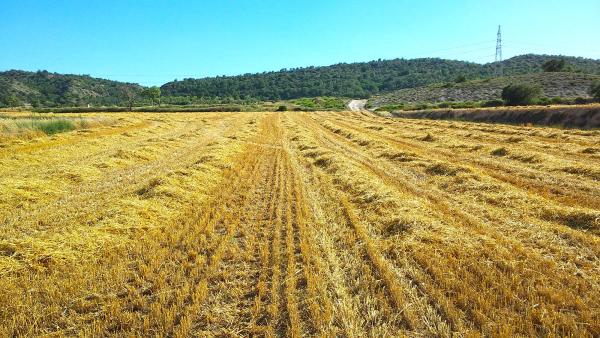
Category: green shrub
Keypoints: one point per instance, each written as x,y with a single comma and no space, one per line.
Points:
520,94
333,103
56,126
12,101
557,100
47,126
580,100
305,102
465,104
282,108
554,65
320,103
460,79
543,101
391,107
493,103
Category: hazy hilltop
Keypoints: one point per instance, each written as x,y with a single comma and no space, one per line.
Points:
351,80
43,89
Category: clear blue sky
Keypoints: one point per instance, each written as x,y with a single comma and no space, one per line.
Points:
152,42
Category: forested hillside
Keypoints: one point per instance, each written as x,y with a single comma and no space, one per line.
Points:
360,79
45,89
556,84
354,80
342,80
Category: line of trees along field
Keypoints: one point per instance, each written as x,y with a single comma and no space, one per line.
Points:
357,80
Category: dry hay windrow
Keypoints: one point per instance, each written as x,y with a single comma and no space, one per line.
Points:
300,224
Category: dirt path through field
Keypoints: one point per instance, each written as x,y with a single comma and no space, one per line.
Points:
357,105
300,224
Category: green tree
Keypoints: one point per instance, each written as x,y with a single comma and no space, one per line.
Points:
520,94
13,101
130,94
461,78
595,90
554,65
153,94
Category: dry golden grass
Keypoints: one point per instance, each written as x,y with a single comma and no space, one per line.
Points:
299,224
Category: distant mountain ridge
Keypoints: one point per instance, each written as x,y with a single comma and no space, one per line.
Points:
356,80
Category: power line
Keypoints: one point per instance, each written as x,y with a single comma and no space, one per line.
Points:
541,45
428,53
471,51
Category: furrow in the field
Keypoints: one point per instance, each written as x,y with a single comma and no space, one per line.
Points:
217,230
165,269
502,217
276,307
440,326
61,141
517,157
244,211
534,180
170,274
563,138
499,278
335,271
459,137
315,301
570,138
292,302
384,268
91,151
234,306
200,245
515,151
432,162
259,310
382,297
228,306
278,323
390,278
83,204
313,306
60,175
357,155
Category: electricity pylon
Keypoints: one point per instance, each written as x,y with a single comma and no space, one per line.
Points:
499,70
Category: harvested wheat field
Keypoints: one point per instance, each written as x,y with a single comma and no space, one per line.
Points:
299,224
